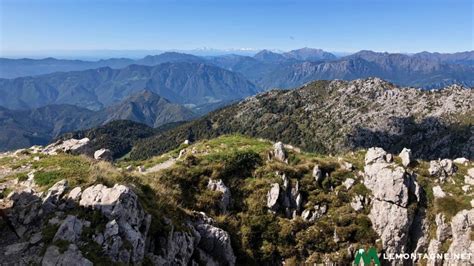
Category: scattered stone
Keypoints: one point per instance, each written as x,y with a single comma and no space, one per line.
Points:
357,203
181,153
317,174
279,152
141,169
442,169
273,196
218,185
36,158
69,145
186,142
348,183
461,160
466,188
345,165
438,192
311,215
103,155
405,155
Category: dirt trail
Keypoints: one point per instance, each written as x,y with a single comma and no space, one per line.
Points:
161,166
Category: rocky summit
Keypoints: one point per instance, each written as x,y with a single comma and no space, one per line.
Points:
339,116
233,200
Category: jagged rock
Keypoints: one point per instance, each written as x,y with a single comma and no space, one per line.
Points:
311,215
120,203
448,166
461,227
71,257
215,241
299,202
279,152
390,185
317,174
273,196
218,185
391,222
388,182
56,191
461,160
25,210
111,229
433,249
438,192
443,229
69,145
36,238
75,194
103,155
15,248
306,214
177,248
375,155
405,155
348,183
357,203
70,229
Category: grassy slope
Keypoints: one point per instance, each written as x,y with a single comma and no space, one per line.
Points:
257,236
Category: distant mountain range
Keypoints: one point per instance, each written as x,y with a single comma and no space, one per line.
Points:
194,84
268,69
36,108
24,128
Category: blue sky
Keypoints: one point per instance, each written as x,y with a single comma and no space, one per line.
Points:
333,25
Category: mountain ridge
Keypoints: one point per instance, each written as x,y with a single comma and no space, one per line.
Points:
338,116
182,82
39,126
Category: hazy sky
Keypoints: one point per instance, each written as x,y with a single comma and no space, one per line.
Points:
333,25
